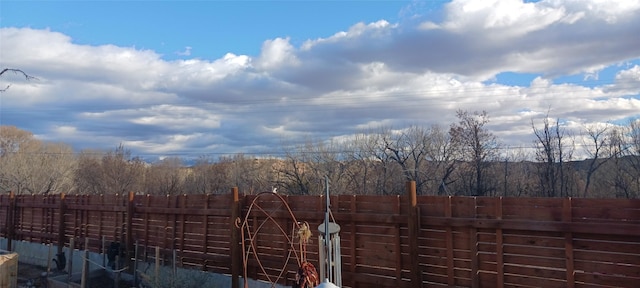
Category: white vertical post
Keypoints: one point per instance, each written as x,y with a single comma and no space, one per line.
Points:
85,264
49,259
323,257
338,262
329,247
327,236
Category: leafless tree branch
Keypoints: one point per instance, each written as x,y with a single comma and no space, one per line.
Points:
16,71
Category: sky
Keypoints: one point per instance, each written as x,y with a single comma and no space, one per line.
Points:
194,78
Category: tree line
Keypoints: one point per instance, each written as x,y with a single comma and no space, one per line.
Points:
465,158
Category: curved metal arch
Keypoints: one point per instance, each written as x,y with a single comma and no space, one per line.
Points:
247,236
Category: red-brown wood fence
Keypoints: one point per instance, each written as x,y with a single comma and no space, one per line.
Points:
386,241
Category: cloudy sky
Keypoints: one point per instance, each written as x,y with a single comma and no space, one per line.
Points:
191,78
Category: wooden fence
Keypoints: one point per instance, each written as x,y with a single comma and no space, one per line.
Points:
386,241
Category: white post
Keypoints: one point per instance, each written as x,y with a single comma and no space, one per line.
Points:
323,257
327,236
329,247
85,264
338,262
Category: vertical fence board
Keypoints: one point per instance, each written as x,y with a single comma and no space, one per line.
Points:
147,219
352,246
397,245
499,247
416,273
166,225
473,243
11,214
235,239
62,210
568,243
450,265
205,224
129,249
183,211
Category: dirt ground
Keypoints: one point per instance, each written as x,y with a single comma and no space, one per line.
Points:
31,276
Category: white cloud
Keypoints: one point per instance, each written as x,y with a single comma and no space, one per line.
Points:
601,9
163,116
42,51
375,30
186,52
177,117
626,82
65,131
275,53
183,73
477,40
500,18
164,144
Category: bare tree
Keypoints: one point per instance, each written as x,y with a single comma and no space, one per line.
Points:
408,148
425,155
195,182
632,156
618,172
516,173
165,177
546,153
88,175
598,138
15,71
28,165
206,176
294,175
250,174
12,139
122,171
478,147
115,172
552,150
53,169
386,175
359,164
327,159
441,153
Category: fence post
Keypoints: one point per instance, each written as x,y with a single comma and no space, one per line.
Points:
11,219
473,245
416,272
235,240
128,227
85,264
61,225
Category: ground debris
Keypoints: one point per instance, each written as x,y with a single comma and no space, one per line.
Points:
30,275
